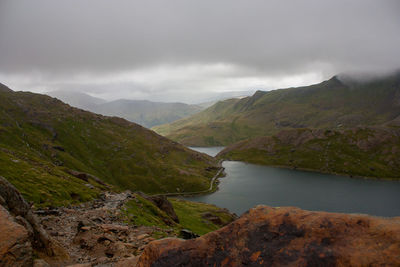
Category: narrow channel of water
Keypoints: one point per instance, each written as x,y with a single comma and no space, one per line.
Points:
247,185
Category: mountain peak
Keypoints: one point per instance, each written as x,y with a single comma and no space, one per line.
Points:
4,88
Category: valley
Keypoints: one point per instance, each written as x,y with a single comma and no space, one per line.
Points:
57,155
199,133
74,168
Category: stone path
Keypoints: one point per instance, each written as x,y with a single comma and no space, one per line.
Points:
94,234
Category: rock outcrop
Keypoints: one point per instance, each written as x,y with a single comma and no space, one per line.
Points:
85,176
266,236
21,227
15,246
163,204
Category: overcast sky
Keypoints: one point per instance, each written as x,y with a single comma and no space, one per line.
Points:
182,50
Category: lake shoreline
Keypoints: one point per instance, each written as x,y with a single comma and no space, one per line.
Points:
319,171
247,185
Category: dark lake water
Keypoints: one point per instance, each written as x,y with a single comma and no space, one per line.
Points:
247,185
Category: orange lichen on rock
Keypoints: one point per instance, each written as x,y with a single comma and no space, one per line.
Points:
286,236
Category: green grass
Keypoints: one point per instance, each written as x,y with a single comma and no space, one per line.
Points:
143,212
44,183
366,152
49,137
140,211
190,215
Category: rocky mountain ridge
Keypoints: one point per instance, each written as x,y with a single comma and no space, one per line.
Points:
327,105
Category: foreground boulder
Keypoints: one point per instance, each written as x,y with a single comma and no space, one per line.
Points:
21,230
288,236
15,245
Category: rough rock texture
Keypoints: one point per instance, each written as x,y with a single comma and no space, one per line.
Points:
96,234
288,236
15,204
15,246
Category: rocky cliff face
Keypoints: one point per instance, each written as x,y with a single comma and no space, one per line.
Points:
267,236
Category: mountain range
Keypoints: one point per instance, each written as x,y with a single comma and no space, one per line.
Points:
143,112
338,103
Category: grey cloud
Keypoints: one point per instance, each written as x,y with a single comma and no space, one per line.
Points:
65,38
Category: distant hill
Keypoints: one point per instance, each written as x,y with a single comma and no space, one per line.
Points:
44,143
147,113
77,99
143,112
330,104
361,151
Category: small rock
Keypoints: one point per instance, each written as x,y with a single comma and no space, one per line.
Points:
114,227
149,239
85,228
143,236
212,218
90,186
187,234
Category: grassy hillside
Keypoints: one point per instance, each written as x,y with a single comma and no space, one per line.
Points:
330,104
368,152
191,215
43,139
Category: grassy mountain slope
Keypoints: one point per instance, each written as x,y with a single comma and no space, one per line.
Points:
330,104
191,215
42,139
368,152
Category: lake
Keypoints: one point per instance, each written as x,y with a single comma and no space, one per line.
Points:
247,185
